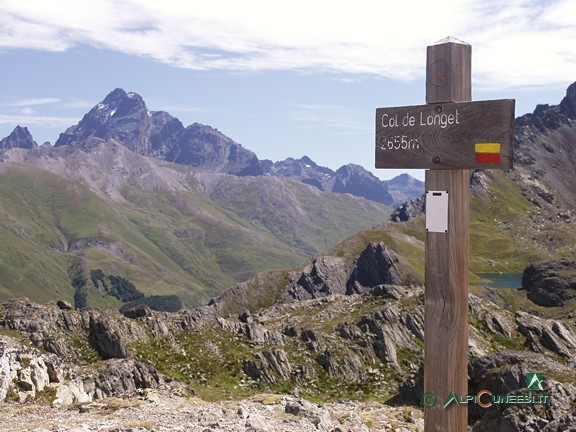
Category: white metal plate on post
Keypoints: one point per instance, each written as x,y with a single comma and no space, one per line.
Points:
437,211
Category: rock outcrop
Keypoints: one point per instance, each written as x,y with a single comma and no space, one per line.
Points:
378,265
60,330
326,275
550,283
334,345
27,374
321,277
19,138
505,373
409,210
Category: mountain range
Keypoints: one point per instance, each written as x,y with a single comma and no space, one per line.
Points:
124,117
187,211
132,194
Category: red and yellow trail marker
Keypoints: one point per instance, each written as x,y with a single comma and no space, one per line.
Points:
487,152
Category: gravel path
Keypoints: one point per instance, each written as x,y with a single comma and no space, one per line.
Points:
161,410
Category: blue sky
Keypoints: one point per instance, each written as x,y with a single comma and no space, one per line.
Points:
282,79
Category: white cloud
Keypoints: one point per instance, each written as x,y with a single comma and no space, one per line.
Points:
338,118
28,102
515,43
36,120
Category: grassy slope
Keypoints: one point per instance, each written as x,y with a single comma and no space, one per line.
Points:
165,243
503,237
500,230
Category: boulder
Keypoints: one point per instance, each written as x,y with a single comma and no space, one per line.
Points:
321,277
139,311
376,265
409,210
64,305
505,372
550,283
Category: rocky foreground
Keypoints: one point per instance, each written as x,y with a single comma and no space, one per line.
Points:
163,410
348,335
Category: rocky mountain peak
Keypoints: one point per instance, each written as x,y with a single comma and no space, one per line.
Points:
346,171
19,138
122,103
403,180
124,117
544,154
303,169
121,116
355,180
568,104
550,117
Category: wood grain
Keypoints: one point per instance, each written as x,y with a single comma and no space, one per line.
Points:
446,286
444,135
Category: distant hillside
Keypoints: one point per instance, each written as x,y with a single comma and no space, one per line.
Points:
167,228
351,179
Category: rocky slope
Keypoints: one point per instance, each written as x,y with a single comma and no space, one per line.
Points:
164,410
337,328
544,157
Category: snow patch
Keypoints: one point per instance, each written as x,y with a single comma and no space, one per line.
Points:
112,112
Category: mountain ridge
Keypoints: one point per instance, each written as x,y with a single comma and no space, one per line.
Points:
526,212
123,116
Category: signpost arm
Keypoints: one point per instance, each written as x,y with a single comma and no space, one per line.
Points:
448,79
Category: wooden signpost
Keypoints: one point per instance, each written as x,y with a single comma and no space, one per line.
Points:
448,136
444,135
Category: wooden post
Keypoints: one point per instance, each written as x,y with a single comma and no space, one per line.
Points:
448,79
448,136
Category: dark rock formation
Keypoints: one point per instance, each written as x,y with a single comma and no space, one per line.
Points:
544,154
204,147
377,265
505,373
321,277
409,210
550,283
19,138
542,335
45,325
125,118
